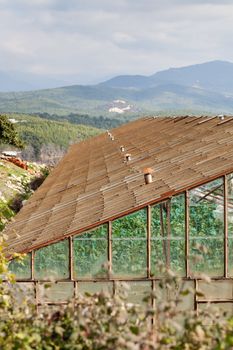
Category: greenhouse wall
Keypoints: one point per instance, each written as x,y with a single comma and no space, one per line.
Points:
190,233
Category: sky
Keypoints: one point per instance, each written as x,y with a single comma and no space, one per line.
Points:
88,41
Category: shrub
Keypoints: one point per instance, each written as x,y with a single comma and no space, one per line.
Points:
102,322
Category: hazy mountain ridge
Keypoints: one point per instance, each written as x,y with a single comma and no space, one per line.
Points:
214,75
206,87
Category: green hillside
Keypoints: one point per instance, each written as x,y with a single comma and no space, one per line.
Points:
99,122
101,100
93,100
48,140
202,88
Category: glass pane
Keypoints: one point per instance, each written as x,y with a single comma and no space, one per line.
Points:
91,253
21,268
230,204
181,293
207,256
168,236
207,229
55,292
206,210
23,291
129,245
168,218
133,225
137,292
95,287
167,254
226,308
129,258
186,302
52,262
215,290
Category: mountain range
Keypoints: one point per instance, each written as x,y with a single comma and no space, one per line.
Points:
201,88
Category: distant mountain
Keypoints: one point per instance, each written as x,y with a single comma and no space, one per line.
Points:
214,76
201,88
128,81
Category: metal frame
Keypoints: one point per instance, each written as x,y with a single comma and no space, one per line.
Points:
163,197
148,277
109,249
187,234
225,226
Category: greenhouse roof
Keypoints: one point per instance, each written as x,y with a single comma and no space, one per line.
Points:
95,183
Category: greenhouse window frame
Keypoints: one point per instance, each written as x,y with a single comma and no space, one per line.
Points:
149,277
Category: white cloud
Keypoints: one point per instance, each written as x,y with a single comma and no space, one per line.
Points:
92,40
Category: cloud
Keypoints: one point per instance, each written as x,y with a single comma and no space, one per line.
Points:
87,41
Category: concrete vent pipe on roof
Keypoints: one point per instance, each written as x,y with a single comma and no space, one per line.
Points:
122,148
148,175
110,135
128,157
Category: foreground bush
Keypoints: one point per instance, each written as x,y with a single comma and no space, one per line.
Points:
102,322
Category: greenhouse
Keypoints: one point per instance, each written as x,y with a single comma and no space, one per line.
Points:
128,205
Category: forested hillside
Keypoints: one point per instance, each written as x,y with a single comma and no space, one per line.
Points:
99,122
45,140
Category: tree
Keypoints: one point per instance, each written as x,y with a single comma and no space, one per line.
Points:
8,134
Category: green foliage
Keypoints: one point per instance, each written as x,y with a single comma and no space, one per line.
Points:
49,138
168,236
52,261
203,221
129,245
8,133
6,213
206,229
90,253
21,266
104,322
59,133
99,122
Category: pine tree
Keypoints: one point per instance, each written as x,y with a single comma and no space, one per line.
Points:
8,134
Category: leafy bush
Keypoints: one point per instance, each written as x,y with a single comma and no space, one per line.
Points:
102,322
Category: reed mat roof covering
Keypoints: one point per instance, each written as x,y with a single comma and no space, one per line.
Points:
95,183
